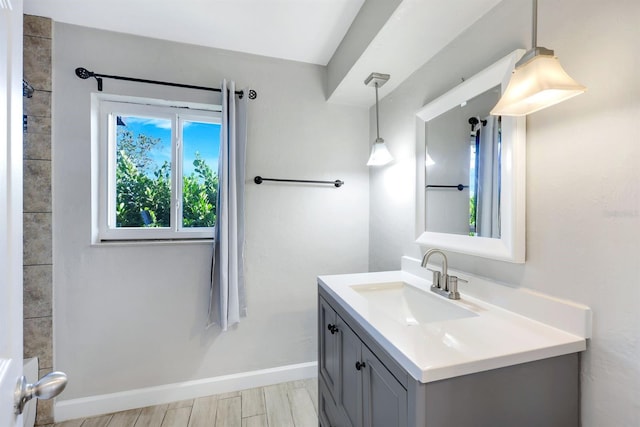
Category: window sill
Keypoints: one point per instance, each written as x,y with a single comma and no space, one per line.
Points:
159,242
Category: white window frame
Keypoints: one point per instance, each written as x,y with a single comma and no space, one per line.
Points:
108,110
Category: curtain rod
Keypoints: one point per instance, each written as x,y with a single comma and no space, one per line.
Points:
84,74
338,183
460,187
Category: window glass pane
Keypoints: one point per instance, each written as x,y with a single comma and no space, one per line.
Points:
201,145
143,171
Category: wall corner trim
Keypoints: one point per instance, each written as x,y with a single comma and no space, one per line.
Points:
114,402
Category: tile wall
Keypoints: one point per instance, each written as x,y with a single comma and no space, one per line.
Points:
38,261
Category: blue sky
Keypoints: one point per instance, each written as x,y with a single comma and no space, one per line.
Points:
198,137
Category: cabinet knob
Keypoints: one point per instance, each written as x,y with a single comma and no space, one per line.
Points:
360,365
332,328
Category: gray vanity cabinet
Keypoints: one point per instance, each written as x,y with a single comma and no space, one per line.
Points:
384,398
351,387
361,385
355,388
328,360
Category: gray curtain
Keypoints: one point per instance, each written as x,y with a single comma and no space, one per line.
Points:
488,203
227,302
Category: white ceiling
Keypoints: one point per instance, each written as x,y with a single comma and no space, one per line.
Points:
415,32
300,30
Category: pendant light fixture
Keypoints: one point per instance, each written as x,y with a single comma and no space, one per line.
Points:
429,161
538,81
380,154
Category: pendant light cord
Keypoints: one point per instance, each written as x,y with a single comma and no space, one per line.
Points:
377,118
534,20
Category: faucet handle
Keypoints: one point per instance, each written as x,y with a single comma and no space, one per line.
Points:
452,286
436,279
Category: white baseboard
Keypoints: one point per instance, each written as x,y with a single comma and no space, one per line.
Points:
149,396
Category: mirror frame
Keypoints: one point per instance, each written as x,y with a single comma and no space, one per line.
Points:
511,244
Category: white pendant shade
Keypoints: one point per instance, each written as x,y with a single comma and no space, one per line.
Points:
380,154
536,84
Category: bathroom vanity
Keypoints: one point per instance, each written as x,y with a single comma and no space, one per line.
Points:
393,354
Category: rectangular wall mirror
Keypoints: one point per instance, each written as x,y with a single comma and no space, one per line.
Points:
471,170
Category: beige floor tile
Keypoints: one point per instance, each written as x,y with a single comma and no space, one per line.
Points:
124,418
229,412
151,416
204,412
252,402
292,385
181,404
102,421
177,417
302,409
292,404
256,421
70,423
311,384
228,395
277,404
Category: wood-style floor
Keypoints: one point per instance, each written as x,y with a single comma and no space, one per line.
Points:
292,404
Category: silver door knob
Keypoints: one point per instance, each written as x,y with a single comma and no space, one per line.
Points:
47,387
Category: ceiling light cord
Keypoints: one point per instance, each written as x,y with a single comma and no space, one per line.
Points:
380,154
377,115
534,20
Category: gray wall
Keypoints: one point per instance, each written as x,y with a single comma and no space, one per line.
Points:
583,183
133,315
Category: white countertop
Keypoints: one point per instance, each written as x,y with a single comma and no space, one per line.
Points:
491,338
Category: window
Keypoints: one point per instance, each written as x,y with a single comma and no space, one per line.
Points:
158,170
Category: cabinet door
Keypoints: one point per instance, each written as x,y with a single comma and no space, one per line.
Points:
350,393
328,415
329,360
384,398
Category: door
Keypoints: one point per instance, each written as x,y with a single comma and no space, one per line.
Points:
10,207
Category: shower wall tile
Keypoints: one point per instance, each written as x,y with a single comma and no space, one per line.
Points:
38,124
37,62
37,146
44,412
38,340
37,26
37,238
37,186
38,105
37,293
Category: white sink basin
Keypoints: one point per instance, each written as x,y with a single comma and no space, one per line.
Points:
409,305
435,338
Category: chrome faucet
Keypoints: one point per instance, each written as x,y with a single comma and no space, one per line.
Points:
442,283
